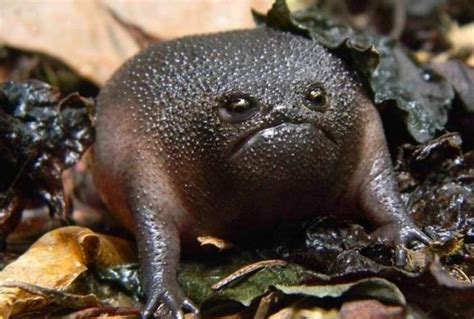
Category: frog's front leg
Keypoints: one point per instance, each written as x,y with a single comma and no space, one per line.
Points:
381,201
159,252
379,198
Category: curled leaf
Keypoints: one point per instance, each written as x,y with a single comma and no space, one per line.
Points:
376,288
49,272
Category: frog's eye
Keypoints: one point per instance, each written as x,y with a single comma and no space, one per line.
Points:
316,96
237,107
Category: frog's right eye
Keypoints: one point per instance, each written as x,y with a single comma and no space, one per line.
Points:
237,107
316,98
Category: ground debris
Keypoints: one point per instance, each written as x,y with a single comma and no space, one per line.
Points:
41,134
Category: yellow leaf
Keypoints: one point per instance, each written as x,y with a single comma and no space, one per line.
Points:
56,261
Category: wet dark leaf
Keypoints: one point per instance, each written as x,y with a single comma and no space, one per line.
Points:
424,98
41,134
125,277
437,183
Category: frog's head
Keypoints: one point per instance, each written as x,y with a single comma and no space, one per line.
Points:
256,100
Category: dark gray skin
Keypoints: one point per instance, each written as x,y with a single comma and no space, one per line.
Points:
232,133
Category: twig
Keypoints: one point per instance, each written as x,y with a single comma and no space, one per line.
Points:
246,270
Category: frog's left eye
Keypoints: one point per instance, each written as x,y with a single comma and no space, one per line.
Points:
237,107
316,96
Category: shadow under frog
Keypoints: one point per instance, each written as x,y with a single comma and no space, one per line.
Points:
230,133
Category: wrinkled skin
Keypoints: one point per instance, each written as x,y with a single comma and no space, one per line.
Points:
230,134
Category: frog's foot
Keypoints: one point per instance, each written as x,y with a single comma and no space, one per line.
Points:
402,235
166,304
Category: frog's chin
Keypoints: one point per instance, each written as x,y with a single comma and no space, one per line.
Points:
273,135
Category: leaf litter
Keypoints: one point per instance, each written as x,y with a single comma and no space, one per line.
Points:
330,259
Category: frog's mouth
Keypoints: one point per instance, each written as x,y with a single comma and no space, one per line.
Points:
257,135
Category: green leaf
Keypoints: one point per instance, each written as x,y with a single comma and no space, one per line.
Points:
196,280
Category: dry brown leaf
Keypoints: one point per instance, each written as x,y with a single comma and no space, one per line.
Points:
170,19
83,34
461,37
265,304
86,36
370,309
55,261
462,40
214,241
311,313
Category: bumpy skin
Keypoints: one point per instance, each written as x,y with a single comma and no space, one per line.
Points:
175,164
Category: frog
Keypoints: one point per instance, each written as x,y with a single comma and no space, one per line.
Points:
230,134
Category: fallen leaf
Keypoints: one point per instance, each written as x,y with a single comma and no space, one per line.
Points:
86,36
461,37
214,241
56,261
462,79
370,309
312,313
41,134
374,287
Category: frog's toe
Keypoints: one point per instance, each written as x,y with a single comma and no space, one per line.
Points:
149,309
408,236
191,307
401,235
168,305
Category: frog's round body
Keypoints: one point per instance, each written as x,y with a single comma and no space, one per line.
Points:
231,133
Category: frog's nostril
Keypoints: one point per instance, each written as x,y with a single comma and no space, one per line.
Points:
281,112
